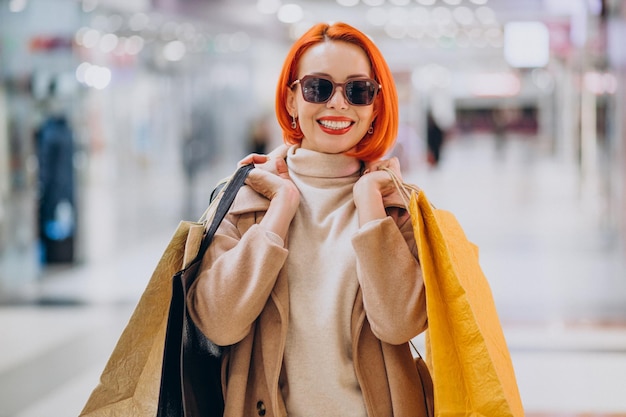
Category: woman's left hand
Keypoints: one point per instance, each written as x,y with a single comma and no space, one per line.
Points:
376,177
374,185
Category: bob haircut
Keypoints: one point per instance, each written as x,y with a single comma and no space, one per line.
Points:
385,123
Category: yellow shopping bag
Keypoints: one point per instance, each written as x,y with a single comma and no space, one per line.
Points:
468,356
466,350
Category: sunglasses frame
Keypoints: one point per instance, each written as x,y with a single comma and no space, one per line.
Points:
375,83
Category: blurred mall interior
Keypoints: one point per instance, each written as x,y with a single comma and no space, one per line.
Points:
117,118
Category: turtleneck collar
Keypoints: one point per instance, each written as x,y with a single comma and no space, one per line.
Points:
309,163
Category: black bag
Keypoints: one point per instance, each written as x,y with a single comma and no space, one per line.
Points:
191,374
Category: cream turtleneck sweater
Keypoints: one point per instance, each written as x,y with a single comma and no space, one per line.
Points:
318,376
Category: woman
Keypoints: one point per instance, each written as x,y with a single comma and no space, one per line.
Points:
312,279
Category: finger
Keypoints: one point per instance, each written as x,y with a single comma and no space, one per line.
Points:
394,163
263,182
254,158
378,166
245,161
281,168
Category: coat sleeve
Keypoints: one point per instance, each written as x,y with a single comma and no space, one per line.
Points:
391,279
235,280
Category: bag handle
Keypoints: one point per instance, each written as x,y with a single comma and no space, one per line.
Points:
415,348
228,194
405,190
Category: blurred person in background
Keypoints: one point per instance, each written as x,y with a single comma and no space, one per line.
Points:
259,136
54,142
312,280
500,122
198,152
435,136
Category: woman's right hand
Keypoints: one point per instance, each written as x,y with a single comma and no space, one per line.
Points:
270,178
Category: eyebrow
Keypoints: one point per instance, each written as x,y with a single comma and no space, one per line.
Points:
323,74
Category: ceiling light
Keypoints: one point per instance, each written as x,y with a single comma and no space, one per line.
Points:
138,22
347,3
377,16
78,36
526,44
398,15
17,6
463,15
395,30
108,42
94,76
174,51
89,5
419,16
441,15
134,45
81,70
493,34
485,15
290,13
91,38
268,6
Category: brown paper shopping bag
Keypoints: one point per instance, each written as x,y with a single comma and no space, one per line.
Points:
129,384
132,383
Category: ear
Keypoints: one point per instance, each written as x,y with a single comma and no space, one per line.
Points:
290,102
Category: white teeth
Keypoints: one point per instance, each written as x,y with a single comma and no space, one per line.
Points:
335,125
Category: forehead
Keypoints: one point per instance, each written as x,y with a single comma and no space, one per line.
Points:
335,58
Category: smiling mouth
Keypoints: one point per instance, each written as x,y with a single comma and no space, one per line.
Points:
334,124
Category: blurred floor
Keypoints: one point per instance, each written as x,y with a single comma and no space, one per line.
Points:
558,278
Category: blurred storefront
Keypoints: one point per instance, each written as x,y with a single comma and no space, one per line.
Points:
159,102
143,132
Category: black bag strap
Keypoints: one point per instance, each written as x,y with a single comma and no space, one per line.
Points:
232,187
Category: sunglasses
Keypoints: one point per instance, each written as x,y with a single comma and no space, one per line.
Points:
358,92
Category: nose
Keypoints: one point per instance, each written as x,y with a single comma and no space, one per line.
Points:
338,99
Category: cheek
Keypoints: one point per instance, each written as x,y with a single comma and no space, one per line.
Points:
367,116
307,112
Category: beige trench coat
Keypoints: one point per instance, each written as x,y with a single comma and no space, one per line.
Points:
241,300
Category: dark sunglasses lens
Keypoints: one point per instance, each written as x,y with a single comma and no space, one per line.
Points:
317,90
360,92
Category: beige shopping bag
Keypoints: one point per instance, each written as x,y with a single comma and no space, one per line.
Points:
129,384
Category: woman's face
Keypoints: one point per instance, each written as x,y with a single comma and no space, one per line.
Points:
335,126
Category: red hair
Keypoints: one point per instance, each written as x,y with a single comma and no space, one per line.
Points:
371,147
